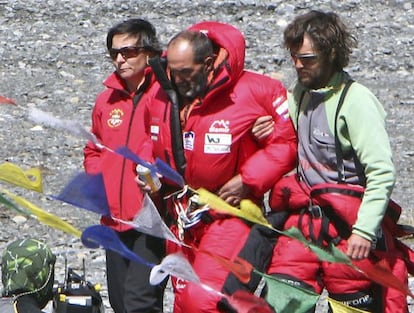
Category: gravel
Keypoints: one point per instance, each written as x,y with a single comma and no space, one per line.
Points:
54,58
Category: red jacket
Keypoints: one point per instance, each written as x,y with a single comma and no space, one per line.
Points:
117,122
218,143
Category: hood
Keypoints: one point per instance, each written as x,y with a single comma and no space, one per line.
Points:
230,39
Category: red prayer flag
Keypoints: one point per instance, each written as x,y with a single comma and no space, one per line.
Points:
381,274
5,100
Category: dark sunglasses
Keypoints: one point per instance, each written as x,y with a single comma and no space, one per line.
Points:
126,52
305,58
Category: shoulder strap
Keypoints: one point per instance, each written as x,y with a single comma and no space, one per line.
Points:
158,66
338,149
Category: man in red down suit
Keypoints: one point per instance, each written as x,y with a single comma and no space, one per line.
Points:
200,123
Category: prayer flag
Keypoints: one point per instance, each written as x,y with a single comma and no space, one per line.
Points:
45,217
5,100
9,204
339,307
166,171
98,235
381,273
329,254
175,265
247,211
286,298
149,221
128,154
74,127
245,302
86,191
239,267
30,179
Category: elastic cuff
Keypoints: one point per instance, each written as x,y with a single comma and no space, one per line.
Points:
364,235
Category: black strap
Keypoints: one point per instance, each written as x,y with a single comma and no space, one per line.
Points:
339,155
139,93
342,191
158,66
297,129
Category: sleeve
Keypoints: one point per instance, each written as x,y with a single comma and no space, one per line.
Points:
91,153
365,127
278,155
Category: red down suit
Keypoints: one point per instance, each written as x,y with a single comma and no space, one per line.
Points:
115,122
218,145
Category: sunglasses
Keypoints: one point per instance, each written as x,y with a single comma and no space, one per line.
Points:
305,58
126,52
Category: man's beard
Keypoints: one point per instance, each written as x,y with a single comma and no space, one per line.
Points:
197,89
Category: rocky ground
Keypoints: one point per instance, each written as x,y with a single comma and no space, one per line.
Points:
53,57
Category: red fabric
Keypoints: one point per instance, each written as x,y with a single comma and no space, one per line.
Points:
116,123
289,194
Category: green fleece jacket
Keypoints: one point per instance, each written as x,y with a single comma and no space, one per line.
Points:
361,127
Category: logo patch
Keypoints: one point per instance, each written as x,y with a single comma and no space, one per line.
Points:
188,140
217,143
115,119
180,283
220,126
154,131
282,109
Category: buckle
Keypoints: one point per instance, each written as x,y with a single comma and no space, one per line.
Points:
315,211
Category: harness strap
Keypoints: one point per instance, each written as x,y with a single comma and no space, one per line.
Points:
158,66
346,192
316,212
339,155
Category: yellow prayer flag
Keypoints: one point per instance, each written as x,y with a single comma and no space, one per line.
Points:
253,213
30,179
248,210
43,216
339,307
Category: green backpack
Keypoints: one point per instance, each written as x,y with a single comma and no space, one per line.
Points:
28,268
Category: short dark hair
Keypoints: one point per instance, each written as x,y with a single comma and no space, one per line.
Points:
143,30
328,33
201,44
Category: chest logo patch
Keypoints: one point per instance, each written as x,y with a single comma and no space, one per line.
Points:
217,143
154,131
188,140
115,118
220,126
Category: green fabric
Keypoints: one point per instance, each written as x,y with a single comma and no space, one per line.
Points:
28,267
361,127
329,254
286,298
9,204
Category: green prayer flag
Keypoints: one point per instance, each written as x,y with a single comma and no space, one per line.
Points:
286,298
329,254
9,204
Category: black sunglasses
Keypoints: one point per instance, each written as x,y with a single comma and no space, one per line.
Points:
126,52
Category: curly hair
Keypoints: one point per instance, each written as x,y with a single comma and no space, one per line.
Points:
328,33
